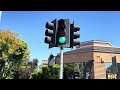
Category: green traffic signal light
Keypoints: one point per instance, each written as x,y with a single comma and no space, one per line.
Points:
62,40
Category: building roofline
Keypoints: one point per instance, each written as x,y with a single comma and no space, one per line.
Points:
44,60
99,41
79,50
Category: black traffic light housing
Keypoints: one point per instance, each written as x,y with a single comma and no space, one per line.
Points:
50,33
74,35
62,33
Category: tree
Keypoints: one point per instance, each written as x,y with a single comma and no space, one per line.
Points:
13,52
25,72
53,73
47,73
68,69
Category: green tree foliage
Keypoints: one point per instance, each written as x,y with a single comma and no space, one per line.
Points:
13,51
47,73
68,68
53,73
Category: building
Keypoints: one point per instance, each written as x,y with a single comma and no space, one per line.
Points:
95,59
44,63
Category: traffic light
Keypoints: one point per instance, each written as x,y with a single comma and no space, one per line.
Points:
74,35
50,33
51,61
62,33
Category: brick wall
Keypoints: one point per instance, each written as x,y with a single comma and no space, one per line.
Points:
106,57
77,57
99,70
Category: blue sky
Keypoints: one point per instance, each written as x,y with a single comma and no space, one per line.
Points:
30,25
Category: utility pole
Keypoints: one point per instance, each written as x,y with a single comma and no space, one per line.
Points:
61,63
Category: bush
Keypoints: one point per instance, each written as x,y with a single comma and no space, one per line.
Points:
47,73
53,73
67,71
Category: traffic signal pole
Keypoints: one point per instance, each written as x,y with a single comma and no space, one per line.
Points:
61,62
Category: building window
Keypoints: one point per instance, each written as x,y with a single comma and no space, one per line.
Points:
84,68
111,71
79,67
108,67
